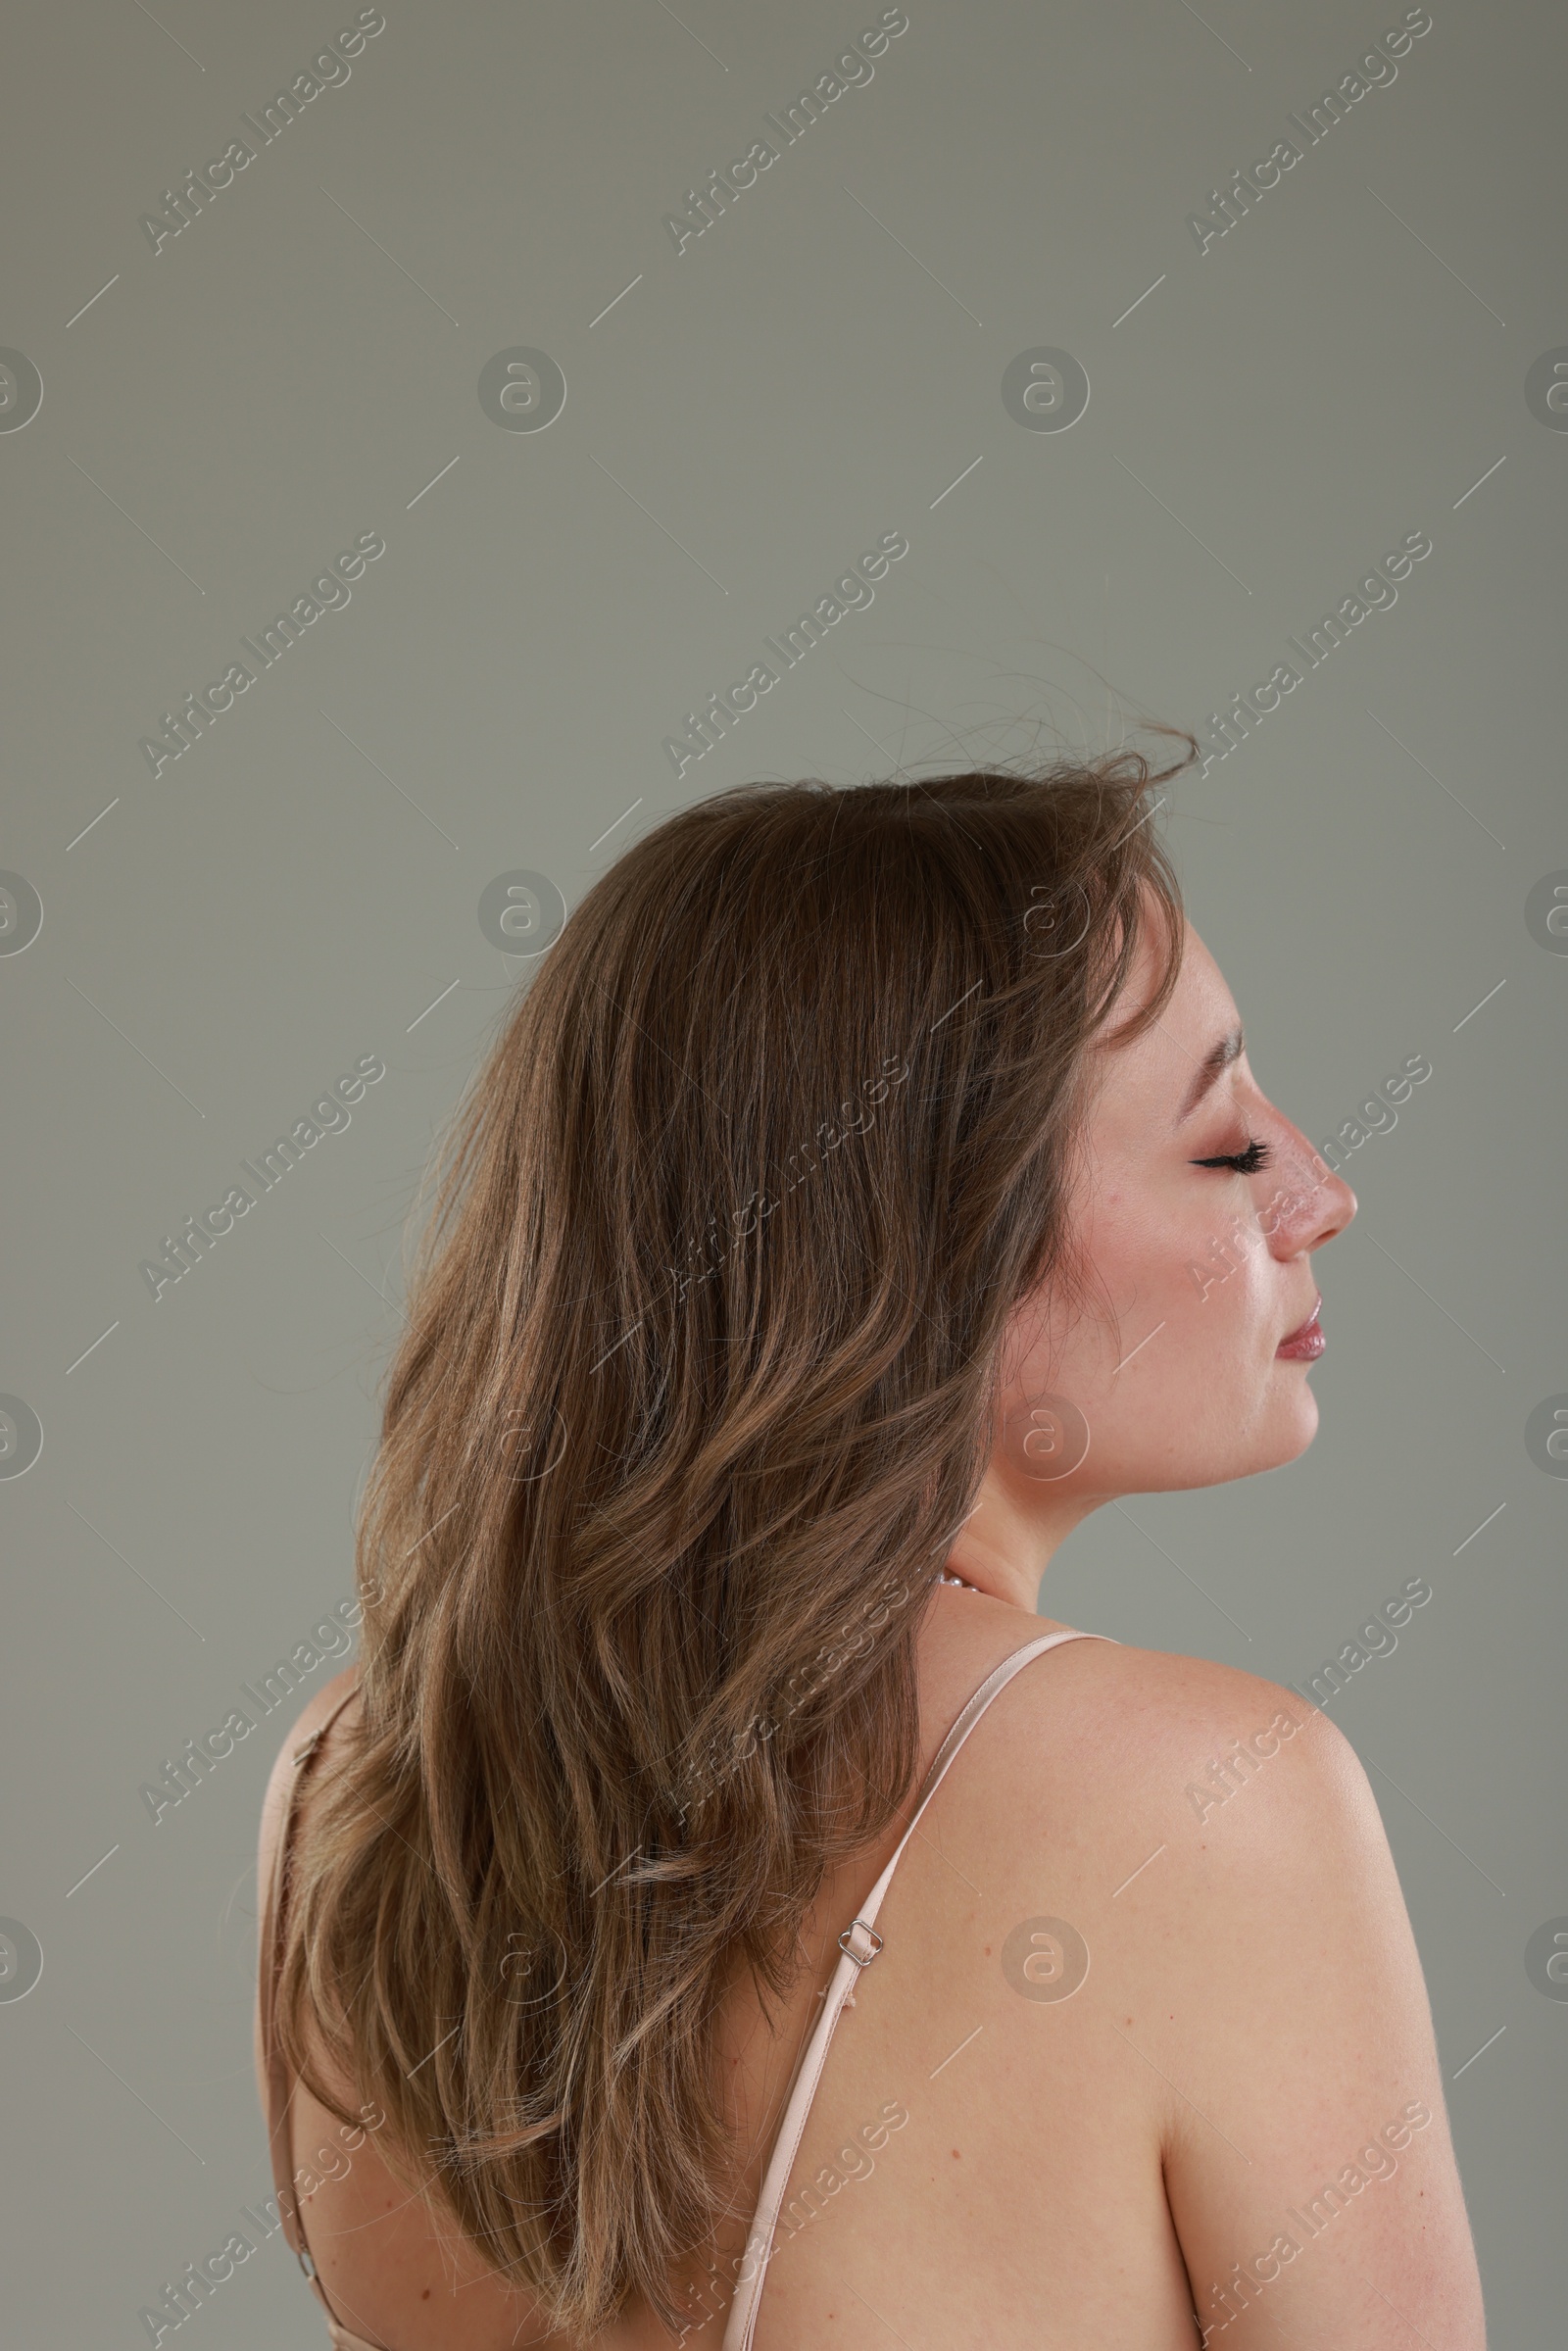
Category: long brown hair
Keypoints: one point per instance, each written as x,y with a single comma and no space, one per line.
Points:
698,1382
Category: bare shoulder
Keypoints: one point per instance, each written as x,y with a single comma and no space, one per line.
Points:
1217,1847
275,1806
1124,1726
304,1727
1217,1797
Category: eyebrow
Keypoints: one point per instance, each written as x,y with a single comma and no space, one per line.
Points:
1220,1054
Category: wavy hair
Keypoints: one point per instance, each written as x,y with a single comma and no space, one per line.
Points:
698,1380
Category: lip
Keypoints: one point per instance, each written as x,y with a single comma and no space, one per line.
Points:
1306,1342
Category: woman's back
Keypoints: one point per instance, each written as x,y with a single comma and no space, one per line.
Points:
1133,2046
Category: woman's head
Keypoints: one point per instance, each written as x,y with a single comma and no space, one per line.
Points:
703,1368
1170,1373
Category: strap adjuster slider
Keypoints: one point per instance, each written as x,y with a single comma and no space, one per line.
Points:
849,1953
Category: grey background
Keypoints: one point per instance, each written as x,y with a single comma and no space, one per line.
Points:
815,371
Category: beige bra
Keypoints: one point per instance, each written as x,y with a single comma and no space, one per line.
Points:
859,1945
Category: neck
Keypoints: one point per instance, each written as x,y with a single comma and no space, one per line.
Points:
1005,1544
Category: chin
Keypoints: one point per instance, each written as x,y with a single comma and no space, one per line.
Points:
1278,1431
1290,1429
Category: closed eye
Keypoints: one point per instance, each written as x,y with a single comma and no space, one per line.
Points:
1247,1162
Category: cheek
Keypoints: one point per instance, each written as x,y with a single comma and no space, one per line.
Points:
1171,1255
1200,1276
1198,1263
1225,1309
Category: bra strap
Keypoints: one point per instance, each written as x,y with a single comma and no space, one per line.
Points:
859,1944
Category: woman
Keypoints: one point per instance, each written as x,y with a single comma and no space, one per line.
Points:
869,1184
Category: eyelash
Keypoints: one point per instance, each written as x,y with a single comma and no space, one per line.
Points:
1247,1163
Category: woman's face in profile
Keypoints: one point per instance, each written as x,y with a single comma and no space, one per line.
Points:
1172,1371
